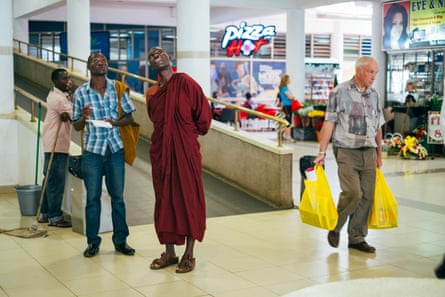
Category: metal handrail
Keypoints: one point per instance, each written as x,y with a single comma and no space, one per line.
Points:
24,47
35,101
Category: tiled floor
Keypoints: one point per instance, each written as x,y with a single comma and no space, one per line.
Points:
259,254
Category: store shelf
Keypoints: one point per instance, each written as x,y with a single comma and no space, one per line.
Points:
318,87
319,81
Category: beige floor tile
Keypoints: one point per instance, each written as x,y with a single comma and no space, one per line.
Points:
116,293
270,275
37,291
260,254
103,281
285,287
215,280
29,278
251,292
74,268
176,288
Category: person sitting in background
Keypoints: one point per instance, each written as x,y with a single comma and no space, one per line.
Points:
216,112
409,102
410,89
249,103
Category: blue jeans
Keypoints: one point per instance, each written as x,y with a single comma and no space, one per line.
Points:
52,198
112,166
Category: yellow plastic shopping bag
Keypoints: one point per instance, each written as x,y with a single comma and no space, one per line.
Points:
384,209
317,207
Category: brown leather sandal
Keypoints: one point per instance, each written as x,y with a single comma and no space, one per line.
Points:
187,264
164,261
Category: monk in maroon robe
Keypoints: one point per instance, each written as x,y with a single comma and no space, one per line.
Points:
180,112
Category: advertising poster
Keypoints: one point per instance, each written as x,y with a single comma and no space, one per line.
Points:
396,25
427,23
235,77
413,24
267,77
434,133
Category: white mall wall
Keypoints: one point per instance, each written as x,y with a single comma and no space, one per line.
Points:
19,152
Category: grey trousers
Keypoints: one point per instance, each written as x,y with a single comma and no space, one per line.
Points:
356,173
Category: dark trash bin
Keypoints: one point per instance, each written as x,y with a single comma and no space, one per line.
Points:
228,115
305,163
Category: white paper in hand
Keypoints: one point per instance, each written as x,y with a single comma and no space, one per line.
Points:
100,124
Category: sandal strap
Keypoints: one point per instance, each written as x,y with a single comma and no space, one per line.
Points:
165,260
187,264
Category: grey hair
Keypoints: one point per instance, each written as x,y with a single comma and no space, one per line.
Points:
364,61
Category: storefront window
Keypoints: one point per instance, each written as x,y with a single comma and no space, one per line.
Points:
421,69
168,41
119,40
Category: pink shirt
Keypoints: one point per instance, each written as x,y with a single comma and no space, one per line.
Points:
57,103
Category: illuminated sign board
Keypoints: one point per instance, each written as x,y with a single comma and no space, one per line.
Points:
413,24
246,40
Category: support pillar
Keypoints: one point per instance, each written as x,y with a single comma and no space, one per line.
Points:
295,52
6,60
377,53
78,32
193,48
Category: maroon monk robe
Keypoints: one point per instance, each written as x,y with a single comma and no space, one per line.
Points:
180,112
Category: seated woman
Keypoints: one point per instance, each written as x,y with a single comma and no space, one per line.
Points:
409,102
249,103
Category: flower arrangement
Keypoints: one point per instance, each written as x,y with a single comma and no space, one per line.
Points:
301,115
394,143
310,115
420,133
317,118
408,148
412,149
316,113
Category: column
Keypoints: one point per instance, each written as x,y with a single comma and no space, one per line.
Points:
337,47
377,53
21,29
193,37
78,31
295,51
6,60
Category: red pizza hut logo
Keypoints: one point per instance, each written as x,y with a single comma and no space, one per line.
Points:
246,40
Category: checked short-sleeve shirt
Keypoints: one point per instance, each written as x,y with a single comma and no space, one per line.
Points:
358,115
98,139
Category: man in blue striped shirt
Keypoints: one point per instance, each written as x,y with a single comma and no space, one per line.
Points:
95,107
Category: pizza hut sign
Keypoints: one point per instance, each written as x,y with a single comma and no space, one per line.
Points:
246,40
